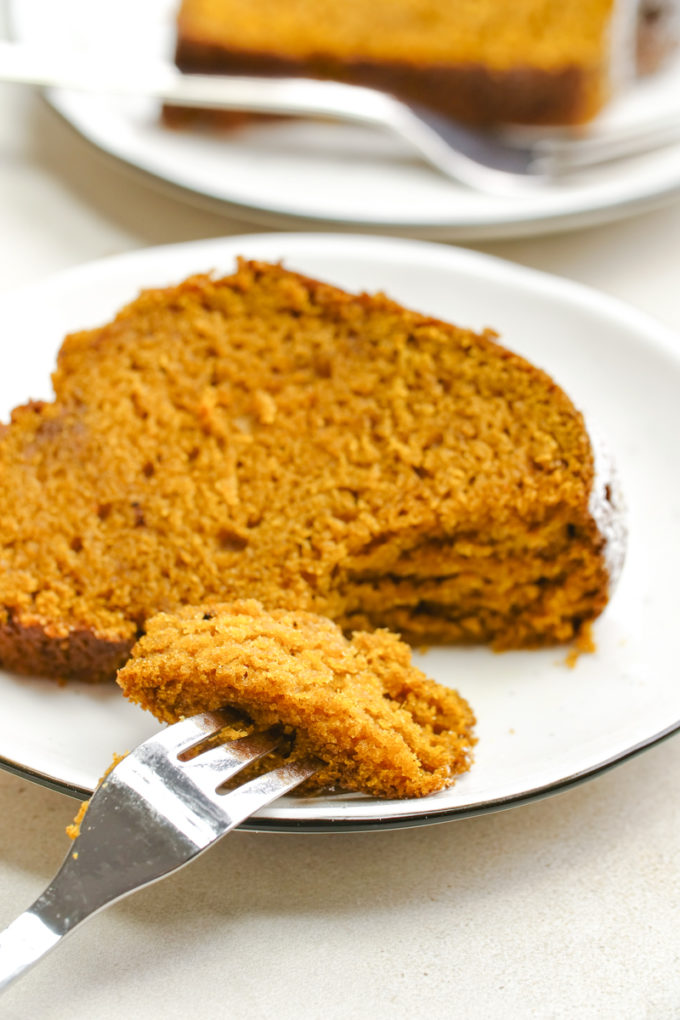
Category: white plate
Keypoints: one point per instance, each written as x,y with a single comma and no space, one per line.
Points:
298,173
541,724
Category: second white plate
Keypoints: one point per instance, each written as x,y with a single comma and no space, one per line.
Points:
294,173
541,725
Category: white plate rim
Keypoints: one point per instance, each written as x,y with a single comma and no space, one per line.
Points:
656,333
407,820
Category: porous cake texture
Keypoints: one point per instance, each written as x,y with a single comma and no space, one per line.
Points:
483,61
269,436
378,724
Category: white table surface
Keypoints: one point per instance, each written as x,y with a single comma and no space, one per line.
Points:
569,907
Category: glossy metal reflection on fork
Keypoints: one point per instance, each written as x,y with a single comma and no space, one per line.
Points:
153,813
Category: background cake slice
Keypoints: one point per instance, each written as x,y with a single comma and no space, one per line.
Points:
269,436
482,61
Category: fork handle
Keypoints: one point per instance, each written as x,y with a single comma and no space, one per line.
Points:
60,908
457,151
24,942
161,80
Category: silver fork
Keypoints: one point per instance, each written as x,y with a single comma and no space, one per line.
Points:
153,813
483,160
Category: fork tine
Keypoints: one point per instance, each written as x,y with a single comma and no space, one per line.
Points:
184,735
214,767
242,802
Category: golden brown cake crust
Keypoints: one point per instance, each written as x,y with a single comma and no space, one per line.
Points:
380,725
268,435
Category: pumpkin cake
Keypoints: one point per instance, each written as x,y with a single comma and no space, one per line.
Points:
380,725
269,436
482,61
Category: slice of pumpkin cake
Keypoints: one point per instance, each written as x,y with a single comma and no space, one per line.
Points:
380,726
269,436
481,61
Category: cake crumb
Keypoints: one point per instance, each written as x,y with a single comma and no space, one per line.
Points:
73,830
584,644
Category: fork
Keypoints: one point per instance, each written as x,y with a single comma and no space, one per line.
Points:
481,159
153,813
